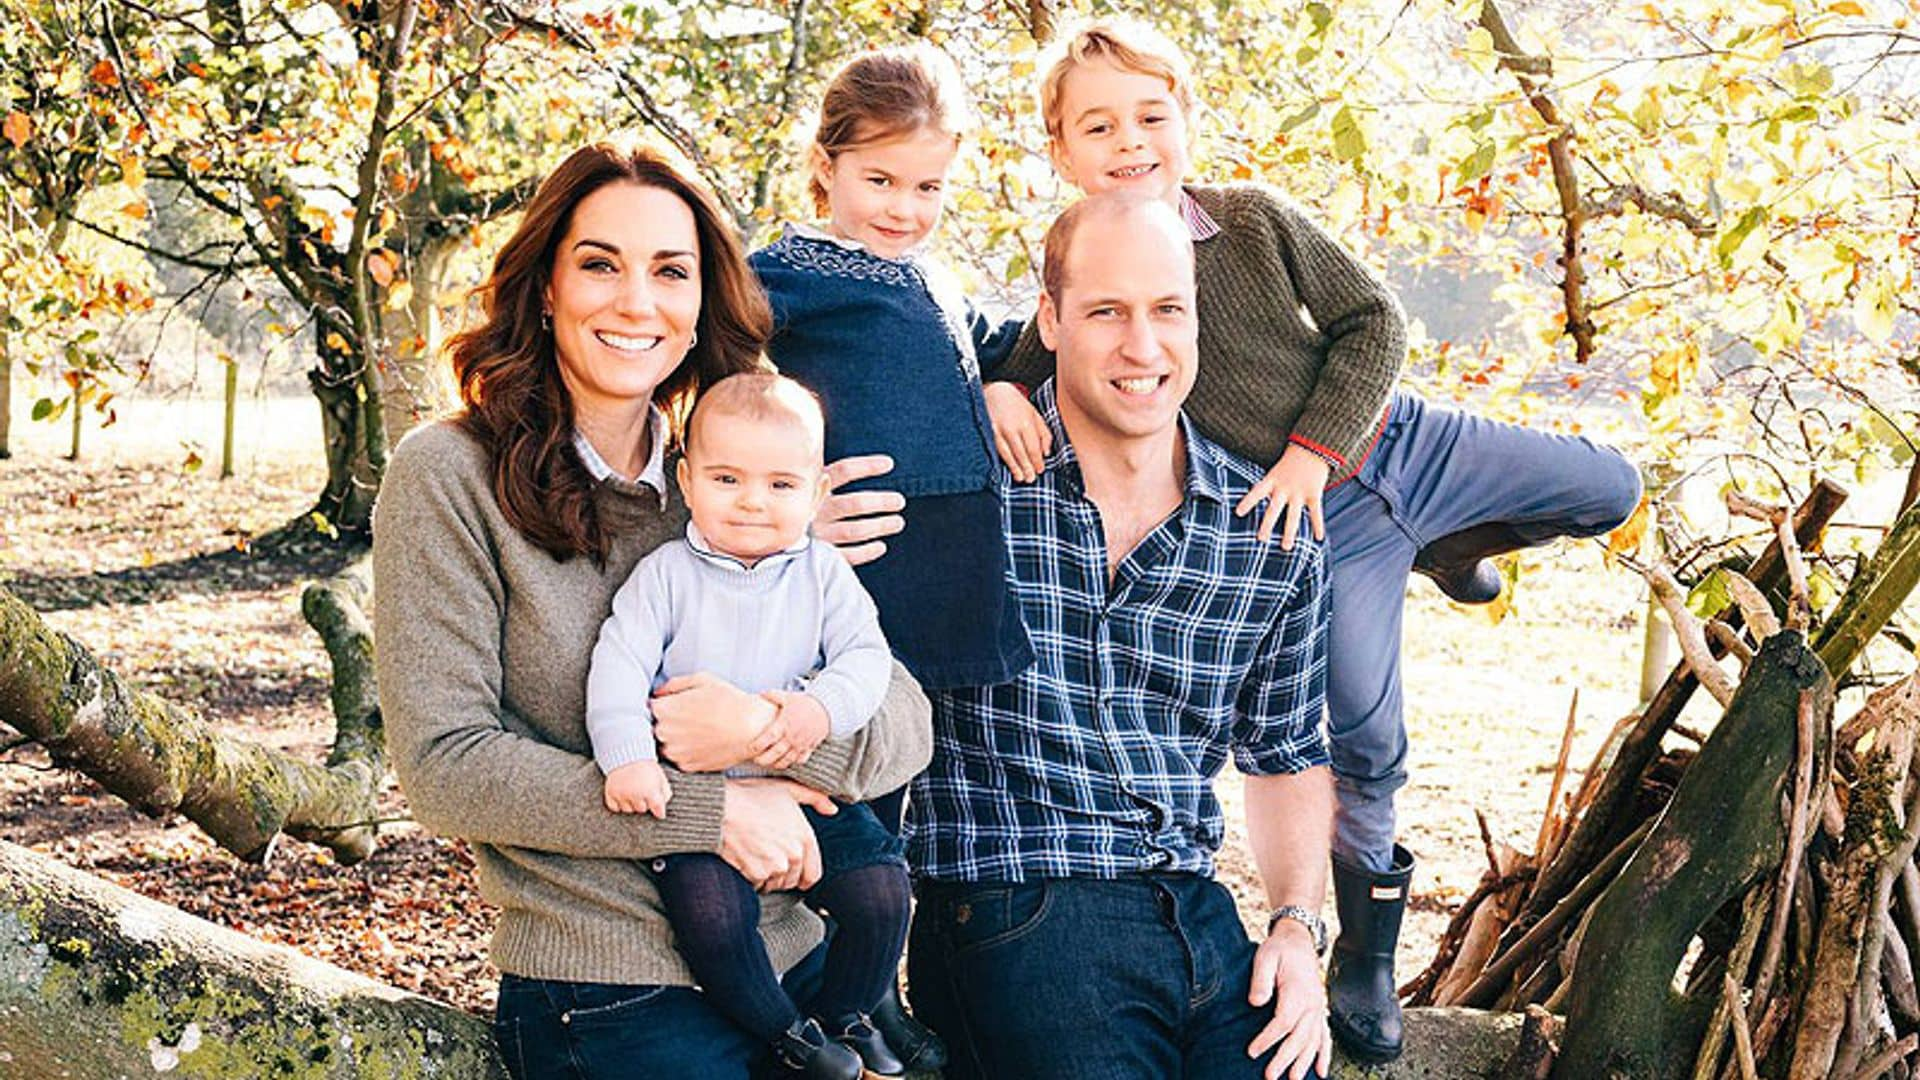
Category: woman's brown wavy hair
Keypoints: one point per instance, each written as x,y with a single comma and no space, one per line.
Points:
516,404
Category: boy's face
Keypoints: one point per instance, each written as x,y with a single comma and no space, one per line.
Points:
888,195
752,485
1120,130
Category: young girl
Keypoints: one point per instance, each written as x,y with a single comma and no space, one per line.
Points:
869,321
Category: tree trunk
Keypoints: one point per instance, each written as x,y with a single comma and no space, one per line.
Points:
6,391
419,385
353,478
164,759
1721,829
97,982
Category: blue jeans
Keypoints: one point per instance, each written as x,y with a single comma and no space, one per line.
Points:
1068,978
1434,472
552,1030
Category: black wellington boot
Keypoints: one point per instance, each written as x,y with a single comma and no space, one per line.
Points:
1361,994
919,1048
1457,562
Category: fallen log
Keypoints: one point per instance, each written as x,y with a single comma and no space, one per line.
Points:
1719,833
98,983
163,758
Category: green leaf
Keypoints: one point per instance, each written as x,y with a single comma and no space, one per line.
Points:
1349,143
1477,164
1300,117
1710,596
43,408
1732,238
1321,16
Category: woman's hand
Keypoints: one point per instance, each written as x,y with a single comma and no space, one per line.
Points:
765,837
856,521
1020,433
705,724
1296,482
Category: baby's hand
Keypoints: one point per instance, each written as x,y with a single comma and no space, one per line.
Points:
639,787
1019,431
799,727
1296,482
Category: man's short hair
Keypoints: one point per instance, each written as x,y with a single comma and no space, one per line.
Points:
1103,210
1128,44
761,396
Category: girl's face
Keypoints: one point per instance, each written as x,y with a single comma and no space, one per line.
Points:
624,296
888,195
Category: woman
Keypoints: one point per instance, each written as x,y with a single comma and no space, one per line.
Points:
500,537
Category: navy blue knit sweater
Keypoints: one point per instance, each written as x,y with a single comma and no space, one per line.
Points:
896,352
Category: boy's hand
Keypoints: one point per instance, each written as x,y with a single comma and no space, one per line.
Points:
1297,482
639,787
799,727
1019,432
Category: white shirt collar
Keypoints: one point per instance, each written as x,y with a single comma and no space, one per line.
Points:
802,229
653,474
699,543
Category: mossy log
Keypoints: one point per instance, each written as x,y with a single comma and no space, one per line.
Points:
97,982
1872,597
164,759
1722,828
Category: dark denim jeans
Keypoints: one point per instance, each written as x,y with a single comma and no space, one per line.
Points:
551,1030
1144,977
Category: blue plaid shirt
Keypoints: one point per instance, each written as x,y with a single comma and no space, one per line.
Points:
1098,761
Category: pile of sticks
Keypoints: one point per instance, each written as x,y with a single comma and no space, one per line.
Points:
1756,915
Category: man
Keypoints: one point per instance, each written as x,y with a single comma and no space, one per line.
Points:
1064,835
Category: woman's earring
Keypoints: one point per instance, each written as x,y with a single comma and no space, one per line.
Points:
546,321
693,339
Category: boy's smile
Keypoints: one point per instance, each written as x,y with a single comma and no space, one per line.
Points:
1120,130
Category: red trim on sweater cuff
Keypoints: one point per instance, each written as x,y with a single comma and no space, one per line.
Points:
1333,458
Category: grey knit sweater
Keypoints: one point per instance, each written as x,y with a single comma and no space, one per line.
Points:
483,643
1299,341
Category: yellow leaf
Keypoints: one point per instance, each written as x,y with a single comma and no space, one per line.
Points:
133,171
400,296
1847,7
336,342
18,128
380,267
1873,309
1626,539
198,164
1480,51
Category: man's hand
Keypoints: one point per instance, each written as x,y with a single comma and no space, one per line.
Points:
799,726
705,724
1287,973
765,837
856,521
1297,482
1020,433
639,787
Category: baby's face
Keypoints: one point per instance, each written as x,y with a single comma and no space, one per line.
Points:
752,485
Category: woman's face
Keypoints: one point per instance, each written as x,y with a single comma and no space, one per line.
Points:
624,295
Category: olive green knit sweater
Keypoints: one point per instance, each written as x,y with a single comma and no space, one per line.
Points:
483,641
1298,339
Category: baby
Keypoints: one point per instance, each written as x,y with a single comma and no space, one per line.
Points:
749,597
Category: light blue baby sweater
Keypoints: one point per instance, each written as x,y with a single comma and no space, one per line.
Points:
795,620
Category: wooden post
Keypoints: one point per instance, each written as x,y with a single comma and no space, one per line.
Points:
78,409
226,439
1656,649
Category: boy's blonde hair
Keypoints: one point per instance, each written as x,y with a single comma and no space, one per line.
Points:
1128,44
761,396
886,94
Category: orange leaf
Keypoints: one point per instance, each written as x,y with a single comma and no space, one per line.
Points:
17,128
1626,539
104,73
380,266
135,209
198,164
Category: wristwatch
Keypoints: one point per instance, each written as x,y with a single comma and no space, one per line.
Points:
1316,926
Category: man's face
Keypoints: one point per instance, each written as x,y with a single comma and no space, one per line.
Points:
1120,130
1124,329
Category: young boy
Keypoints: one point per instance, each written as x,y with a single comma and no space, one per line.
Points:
750,598
1300,349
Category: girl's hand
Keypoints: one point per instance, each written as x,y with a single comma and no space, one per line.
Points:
639,787
765,837
1020,434
799,726
1297,482
705,724
855,522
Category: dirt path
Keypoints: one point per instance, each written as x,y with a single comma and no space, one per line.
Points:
125,554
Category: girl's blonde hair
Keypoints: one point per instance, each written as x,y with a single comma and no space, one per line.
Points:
885,94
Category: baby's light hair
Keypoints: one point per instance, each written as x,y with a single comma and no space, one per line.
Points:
886,94
761,396
1128,44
